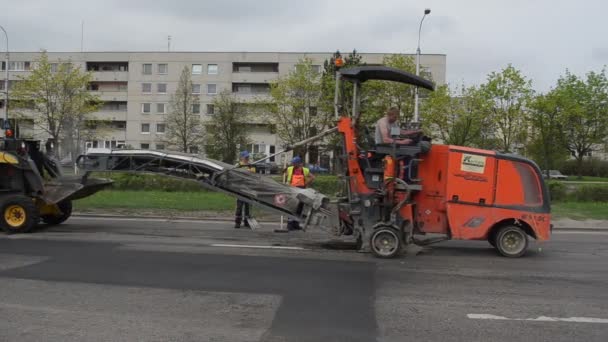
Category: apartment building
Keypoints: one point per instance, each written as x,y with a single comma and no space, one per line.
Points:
136,87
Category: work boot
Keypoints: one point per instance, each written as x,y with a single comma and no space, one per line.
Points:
237,224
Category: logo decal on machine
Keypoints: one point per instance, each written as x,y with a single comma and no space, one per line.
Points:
473,163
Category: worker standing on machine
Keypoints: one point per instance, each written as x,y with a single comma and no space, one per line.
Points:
300,177
242,206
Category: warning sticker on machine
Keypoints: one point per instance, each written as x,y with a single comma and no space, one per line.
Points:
473,163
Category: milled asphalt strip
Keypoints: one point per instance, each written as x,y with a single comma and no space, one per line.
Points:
541,319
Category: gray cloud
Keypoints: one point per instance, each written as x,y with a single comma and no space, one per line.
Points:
542,37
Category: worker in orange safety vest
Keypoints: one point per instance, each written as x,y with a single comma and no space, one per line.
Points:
300,177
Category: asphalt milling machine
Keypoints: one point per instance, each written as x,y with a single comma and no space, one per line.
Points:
393,195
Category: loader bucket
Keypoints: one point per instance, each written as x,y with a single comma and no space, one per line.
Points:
73,188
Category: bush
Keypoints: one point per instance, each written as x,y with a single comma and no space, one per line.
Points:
589,193
557,191
327,185
591,167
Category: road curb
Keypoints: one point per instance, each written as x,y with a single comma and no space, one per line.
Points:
168,218
230,219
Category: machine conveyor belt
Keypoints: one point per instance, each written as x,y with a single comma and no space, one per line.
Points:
305,205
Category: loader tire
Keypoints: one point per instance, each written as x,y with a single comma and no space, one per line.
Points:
66,212
18,213
511,241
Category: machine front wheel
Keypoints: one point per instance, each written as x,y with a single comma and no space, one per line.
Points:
18,214
511,241
386,242
66,211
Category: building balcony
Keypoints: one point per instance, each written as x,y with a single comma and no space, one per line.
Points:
111,76
111,115
111,95
254,77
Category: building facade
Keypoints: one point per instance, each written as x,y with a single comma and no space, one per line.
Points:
136,87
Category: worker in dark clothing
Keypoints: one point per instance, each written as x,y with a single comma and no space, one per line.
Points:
243,208
300,177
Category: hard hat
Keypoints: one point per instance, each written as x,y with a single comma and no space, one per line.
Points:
296,160
244,154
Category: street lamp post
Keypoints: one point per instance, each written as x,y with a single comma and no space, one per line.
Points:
6,125
427,11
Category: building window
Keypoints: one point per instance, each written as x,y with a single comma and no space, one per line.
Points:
210,109
272,151
160,108
211,89
17,66
160,128
160,146
146,88
145,128
145,108
163,69
197,69
196,108
54,67
212,69
258,149
144,146
316,69
161,88
196,88
147,69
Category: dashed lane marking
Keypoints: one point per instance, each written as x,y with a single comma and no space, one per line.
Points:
541,319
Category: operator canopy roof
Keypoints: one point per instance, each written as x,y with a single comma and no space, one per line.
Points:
384,73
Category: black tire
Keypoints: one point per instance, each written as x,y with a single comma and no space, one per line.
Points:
386,243
492,238
511,241
18,214
66,212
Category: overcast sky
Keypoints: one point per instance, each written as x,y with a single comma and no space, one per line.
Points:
540,37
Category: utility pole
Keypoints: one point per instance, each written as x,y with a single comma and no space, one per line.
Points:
416,117
168,43
6,66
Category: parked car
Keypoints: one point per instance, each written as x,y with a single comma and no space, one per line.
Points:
267,168
317,169
554,174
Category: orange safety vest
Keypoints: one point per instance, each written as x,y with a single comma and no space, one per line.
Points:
297,180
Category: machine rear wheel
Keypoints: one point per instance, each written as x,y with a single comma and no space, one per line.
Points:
511,241
386,242
66,212
18,214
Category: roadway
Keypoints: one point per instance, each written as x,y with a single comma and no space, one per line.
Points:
109,279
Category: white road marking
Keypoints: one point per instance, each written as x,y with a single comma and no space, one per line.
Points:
541,319
256,246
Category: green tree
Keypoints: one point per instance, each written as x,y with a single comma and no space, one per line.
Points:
297,106
227,128
455,119
58,102
584,106
509,92
184,128
546,145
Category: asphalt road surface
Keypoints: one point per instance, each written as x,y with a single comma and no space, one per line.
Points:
152,280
